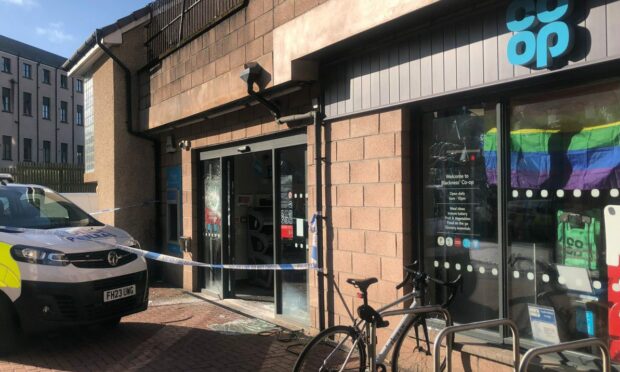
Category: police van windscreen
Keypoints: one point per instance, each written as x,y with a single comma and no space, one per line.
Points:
39,208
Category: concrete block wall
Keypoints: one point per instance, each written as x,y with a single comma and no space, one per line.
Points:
205,72
367,232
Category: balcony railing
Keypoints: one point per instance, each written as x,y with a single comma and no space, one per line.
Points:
176,22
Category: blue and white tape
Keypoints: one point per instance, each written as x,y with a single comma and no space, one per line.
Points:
110,210
94,236
180,261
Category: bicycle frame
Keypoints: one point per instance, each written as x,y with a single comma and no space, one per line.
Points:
371,328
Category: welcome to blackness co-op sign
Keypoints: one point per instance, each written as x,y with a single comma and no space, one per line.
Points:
541,34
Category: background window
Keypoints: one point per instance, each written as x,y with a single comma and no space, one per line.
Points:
7,147
6,99
27,104
27,73
27,149
460,208
63,111
47,152
79,115
6,65
79,86
80,154
45,112
64,153
63,81
46,76
565,172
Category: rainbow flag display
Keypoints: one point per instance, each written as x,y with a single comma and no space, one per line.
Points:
546,158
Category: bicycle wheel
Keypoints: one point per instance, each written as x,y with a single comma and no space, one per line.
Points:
331,350
411,353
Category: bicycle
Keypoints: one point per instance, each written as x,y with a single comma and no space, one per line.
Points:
343,348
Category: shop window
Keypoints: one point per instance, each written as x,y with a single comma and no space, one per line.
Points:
173,209
564,173
460,207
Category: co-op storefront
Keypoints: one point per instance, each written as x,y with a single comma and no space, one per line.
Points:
505,122
480,138
514,158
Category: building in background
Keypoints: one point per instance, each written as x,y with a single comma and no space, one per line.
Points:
42,110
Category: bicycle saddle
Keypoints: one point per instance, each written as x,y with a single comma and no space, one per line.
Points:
362,284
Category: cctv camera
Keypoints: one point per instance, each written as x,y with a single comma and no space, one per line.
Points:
251,73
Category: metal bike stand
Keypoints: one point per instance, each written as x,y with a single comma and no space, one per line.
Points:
572,345
468,327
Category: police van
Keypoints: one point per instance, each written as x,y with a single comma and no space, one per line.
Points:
61,267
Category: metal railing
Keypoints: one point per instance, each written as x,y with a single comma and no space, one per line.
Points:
572,345
468,327
175,22
59,177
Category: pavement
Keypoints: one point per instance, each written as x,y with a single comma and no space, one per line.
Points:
179,332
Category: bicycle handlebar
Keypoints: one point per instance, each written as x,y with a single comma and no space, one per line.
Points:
420,279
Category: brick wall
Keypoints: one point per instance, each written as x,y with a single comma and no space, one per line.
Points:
367,230
205,73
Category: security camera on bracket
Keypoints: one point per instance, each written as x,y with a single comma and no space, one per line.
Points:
185,145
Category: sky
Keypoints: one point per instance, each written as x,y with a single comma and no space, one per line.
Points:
60,26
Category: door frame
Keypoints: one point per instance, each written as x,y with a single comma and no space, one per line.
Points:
224,153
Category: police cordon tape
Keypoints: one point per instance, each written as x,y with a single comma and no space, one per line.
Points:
110,210
77,235
180,261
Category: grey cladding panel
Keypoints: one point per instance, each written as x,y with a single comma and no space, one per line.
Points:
460,54
426,66
476,53
437,61
449,59
403,71
394,75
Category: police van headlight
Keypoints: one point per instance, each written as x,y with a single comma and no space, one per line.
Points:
133,243
40,256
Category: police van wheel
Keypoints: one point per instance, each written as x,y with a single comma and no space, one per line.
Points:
110,323
11,335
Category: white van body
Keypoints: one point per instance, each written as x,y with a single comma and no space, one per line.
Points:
52,275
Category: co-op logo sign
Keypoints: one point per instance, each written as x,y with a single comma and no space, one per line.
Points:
541,31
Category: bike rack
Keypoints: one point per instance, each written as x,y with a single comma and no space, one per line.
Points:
468,327
572,345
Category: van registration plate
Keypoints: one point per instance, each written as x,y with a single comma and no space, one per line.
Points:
119,293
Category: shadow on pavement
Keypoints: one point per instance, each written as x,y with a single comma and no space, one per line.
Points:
153,347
